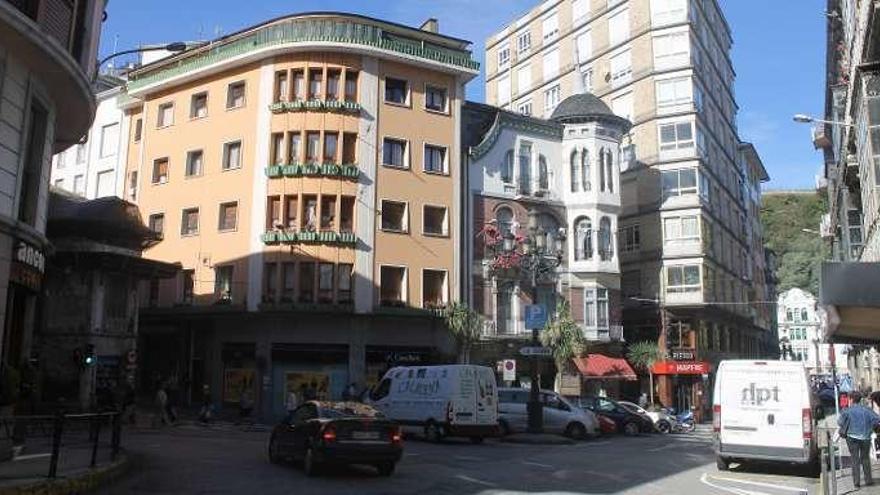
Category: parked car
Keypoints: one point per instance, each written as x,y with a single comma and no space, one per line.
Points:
450,400
664,421
560,416
322,433
628,422
606,425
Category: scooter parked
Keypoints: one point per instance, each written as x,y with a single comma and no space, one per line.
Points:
684,421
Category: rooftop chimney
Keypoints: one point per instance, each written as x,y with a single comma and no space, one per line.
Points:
431,26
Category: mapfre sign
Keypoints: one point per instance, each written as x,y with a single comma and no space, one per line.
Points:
681,368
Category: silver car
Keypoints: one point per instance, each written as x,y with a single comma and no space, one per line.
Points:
560,416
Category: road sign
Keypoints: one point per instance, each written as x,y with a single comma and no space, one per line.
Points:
509,368
536,316
536,351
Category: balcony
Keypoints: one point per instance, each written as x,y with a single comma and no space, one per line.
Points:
348,171
288,237
316,106
613,333
490,331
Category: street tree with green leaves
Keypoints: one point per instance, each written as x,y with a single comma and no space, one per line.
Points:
565,339
465,324
643,355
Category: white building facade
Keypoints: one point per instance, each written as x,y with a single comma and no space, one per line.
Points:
802,334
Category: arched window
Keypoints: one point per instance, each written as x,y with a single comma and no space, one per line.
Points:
504,218
507,168
543,174
525,168
585,169
550,227
575,172
583,239
606,252
609,172
602,170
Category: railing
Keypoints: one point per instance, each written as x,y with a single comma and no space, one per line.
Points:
79,437
304,30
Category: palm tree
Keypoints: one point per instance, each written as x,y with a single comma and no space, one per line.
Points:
565,339
465,324
644,355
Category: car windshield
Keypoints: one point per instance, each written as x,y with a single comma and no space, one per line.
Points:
632,407
336,410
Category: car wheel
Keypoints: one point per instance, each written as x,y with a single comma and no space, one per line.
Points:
385,469
476,440
504,427
274,458
433,432
664,427
631,429
310,465
576,431
722,464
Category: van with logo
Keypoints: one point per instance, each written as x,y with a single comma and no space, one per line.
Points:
441,401
764,411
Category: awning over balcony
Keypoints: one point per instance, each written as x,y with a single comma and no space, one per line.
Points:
850,294
601,367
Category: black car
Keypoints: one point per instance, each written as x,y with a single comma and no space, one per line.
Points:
627,421
322,433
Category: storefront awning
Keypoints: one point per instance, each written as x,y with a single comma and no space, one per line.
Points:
601,367
849,293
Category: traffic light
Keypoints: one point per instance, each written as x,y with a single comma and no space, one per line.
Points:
85,356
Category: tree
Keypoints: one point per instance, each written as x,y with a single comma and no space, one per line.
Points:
465,324
564,337
644,355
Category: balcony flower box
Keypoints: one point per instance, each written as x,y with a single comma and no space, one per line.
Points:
292,170
334,105
347,238
330,169
278,107
287,236
269,237
274,171
311,169
349,171
306,236
314,105
351,106
294,106
327,236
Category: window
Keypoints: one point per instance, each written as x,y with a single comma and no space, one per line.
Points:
504,318
59,183
343,283
676,136
525,168
606,169
79,185
435,98
396,91
854,229
270,282
235,95
618,27
325,282
584,47
679,182
524,78
504,219
328,212
543,174
434,289
606,251
622,106
273,212
346,214
288,282
551,64
333,79
198,107
525,108
575,171
394,153
138,129
160,171
630,239
580,9
671,50
105,183
194,163
291,209
313,140
523,42
331,145
550,27
434,221
282,89
277,148
684,228
232,155
109,142
165,117
228,216
392,282
310,213
132,185
306,282
685,278
675,95
587,80
551,98
503,90
583,239
596,309
316,81
621,69
507,168
668,11
189,222
223,282
435,159
503,56
157,223
351,86
299,85
349,148
189,284
394,216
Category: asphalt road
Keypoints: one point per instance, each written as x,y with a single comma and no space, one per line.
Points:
194,460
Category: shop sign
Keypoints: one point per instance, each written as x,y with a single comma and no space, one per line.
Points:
681,368
405,357
683,354
28,265
30,256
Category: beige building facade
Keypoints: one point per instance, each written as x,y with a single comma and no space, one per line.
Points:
304,172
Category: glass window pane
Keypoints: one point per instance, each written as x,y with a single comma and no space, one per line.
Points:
874,111
667,133
673,276
685,132
692,275
688,178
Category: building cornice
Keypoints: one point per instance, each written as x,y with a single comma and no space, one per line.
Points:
507,120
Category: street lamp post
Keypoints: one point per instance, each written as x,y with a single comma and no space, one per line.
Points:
177,46
807,119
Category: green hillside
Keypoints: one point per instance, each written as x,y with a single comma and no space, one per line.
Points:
799,253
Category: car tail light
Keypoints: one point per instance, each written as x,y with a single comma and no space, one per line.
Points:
396,436
716,418
807,419
329,434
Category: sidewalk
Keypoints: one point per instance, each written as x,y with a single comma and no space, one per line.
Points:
844,475
27,473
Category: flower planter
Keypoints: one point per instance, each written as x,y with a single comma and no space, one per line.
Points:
294,106
330,169
292,170
349,171
327,236
278,107
287,237
274,171
311,169
269,237
314,105
307,236
347,238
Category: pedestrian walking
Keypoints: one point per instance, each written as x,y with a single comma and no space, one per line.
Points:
162,403
290,403
207,410
857,422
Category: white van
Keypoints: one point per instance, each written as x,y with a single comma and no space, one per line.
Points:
764,410
453,400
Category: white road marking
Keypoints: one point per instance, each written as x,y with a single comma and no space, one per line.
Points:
595,444
663,447
469,458
530,463
411,454
765,485
473,480
31,456
735,491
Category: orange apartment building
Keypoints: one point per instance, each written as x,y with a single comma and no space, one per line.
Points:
305,173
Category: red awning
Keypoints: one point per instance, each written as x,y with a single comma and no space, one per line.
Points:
601,367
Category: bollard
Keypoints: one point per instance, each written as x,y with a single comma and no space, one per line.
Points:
56,444
96,421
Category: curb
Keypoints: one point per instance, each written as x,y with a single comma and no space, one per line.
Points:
79,482
536,440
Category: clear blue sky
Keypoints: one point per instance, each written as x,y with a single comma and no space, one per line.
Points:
778,53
